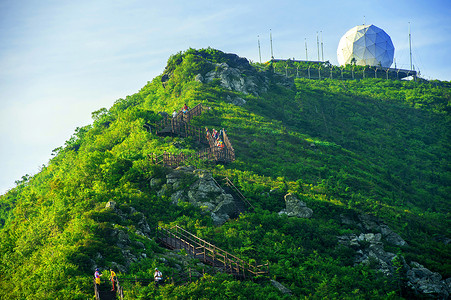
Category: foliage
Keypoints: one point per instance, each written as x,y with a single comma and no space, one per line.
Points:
343,147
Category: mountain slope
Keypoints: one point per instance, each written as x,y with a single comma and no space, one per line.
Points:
348,149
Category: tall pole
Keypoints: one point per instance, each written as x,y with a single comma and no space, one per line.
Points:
270,38
322,51
317,44
259,51
306,53
410,48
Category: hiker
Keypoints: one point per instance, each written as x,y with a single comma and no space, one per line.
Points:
174,114
185,108
112,278
215,134
97,278
158,276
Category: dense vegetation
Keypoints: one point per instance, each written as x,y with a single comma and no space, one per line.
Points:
372,146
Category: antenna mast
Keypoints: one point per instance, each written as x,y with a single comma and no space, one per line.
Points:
259,51
270,38
410,48
317,44
322,51
306,54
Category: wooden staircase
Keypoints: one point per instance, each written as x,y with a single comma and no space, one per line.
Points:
178,238
180,125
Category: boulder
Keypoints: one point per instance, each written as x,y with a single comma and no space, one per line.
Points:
199,78
110,204
296,207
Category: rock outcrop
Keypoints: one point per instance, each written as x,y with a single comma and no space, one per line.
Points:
121,236
236,75
204,193
369,248
422,281
295,207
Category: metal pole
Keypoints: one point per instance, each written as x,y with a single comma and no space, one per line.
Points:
322,52
270,38
317,43
410,48
259,51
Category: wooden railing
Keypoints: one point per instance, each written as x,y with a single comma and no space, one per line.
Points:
228,145
178,238
229,183
181,117
180,125
211,154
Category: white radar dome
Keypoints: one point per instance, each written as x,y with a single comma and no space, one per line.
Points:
368,45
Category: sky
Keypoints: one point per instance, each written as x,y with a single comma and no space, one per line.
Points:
61,60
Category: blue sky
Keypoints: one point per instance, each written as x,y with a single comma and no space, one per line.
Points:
61,60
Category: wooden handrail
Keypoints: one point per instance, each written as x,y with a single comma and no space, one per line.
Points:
188,241
180,125
238,192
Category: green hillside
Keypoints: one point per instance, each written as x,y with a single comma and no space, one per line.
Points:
352,150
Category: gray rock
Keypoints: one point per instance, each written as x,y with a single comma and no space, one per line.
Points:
296,208
164,190
370,237
206,206
350,240
110,204
122,238
185,169
223,197
219,219
173,177
422,280
226,207
391,236
238,78
178,196
199,78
